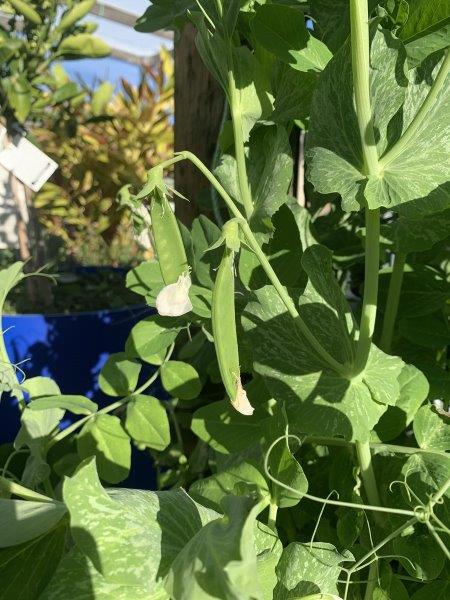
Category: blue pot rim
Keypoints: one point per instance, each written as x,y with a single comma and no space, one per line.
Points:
85,313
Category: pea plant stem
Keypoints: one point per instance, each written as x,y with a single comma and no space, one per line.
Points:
360,48
418,119
369,308
273,278
359,20
393,299
239,146
10,487
273,511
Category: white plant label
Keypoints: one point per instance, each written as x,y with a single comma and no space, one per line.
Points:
22,158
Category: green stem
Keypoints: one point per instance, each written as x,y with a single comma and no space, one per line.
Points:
368,476
16,489
438,495
369,308
419,117
393,299
239,146
272,519
439,541
282,292
359,20
383,542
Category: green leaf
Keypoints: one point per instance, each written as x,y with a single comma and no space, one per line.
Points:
119,375
103,437
78,405
22,521
145,280
65,92
238,479
306,569
36,426
417,235
220,560
423,292
282,31
77,573
147,423
205,233
38,387
131,536
284,250
252,94
420,555
151,336
331,21
253,100
224,429
101,97
431,331
424,474
414,389
389,585
26,569
432,430
84,45
426,29
293,91
164,14
180,380
438,590
269,170
285,468
20,96
318,400
335,162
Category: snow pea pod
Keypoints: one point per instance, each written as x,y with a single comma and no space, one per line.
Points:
167,237
224,326
27,11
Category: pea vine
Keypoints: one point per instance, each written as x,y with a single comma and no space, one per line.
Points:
288,385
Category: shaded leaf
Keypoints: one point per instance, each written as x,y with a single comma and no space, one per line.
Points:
103,437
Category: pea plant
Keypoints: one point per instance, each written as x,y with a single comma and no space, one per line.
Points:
302,452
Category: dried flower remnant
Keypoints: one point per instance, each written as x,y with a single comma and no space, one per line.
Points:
241,402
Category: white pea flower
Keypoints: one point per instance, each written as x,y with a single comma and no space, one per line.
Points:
173,300
241,402
439,407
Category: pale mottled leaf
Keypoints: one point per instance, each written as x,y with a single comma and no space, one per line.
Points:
432,430
334,146
306,569
131,536
220,560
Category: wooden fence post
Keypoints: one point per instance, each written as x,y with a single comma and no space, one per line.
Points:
199,106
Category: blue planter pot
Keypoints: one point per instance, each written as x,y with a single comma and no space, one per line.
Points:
71,349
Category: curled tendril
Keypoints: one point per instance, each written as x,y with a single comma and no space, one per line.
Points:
422,513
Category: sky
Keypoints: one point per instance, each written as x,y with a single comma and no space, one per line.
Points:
122,37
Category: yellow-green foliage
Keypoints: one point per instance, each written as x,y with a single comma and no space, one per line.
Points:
102,142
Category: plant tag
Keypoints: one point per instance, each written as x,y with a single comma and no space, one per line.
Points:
22,158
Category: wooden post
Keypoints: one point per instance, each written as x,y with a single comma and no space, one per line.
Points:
199,104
